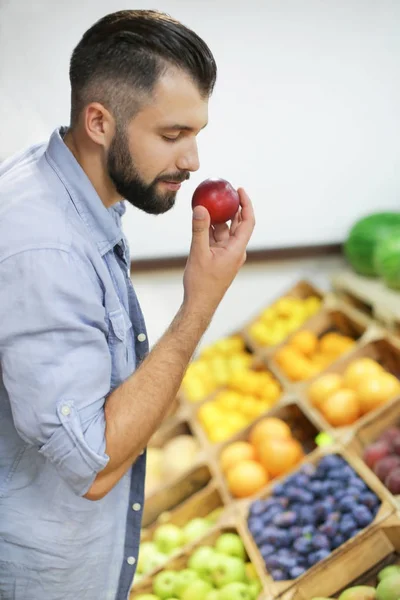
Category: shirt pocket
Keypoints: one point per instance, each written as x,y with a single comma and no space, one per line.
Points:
120,341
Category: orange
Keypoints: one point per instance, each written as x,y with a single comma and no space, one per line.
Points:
358,370
341,408
323,387
335,343
235,453
269,427
246,478
377,390
286,354
279,455
305,342
300,369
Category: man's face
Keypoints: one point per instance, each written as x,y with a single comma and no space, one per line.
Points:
149,159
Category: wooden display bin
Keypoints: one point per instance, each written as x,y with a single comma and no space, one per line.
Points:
182,395
203,503
179,561
370,297
333,319
304,429
387,508
302,289
355,565
257,366
369,431
377,347
169,496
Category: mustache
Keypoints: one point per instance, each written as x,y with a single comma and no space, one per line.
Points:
175,177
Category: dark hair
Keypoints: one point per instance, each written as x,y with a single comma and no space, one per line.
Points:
127,52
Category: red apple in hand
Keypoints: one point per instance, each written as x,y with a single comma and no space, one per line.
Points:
219,198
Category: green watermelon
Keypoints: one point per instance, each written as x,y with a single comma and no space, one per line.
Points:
387,259
359,248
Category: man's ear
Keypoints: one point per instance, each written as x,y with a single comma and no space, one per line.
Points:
99,124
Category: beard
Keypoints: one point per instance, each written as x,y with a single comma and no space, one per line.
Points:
128,183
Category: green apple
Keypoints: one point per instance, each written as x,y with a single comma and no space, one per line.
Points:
227,569
146,549
213,595
168,538
195,528
235,591
152,562
183,579
197,590
230,544
254,588
147,597
164,584
201,560
388,572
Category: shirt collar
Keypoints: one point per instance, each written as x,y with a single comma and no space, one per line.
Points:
103,223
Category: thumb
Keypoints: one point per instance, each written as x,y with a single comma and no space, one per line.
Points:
200,227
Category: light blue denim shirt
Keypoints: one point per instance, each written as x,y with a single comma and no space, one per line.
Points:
71,331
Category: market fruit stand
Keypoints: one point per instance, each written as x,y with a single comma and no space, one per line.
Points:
335,337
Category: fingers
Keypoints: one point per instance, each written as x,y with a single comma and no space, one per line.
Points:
200,229
245,228
221,232
235,222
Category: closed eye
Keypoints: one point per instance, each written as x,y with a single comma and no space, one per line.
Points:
168,138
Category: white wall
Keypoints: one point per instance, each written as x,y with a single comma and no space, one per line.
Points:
305,114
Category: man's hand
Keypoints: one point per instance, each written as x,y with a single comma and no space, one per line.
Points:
216,255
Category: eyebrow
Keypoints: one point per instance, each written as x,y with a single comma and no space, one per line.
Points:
177,127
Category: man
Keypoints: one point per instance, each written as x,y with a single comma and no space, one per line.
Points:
80,395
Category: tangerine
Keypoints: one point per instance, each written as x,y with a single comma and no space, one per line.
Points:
235,453
341,408
269,427
278,456
246,478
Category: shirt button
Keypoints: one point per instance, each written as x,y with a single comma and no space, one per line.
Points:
65,410
141,337
131,560
136,506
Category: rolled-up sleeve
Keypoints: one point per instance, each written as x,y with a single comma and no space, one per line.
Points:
55,359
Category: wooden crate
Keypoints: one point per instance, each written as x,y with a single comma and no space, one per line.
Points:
169,496
258,365
183,398
304,429
302,289
376,346
369,431
179,561
370,297
355,565
387,508
202,503
332,318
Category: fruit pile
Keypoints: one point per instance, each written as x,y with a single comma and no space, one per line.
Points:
170,461
169,538
214,366
310,514
343,398
247,395
270,451
283,317
383,457
219,572
387,587
305,355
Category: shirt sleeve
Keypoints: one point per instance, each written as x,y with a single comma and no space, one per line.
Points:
55,360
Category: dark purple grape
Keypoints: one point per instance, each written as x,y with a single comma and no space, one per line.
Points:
297,571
